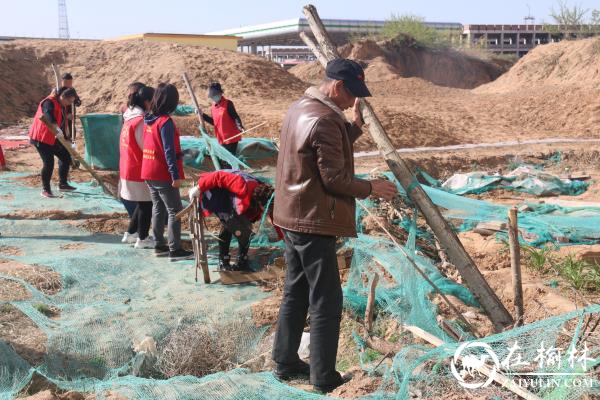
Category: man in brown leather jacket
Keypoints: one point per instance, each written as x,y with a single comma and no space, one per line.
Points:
314,203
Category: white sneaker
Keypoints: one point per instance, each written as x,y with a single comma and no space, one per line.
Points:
129,237
147,243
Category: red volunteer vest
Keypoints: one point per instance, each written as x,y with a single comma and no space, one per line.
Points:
40,132
225,126
130,162
154,163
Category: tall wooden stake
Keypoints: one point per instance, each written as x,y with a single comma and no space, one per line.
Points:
214,159
515,264
490,302
371,303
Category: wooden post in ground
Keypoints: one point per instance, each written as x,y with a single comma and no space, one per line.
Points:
515,264
490,302
199,241
371,303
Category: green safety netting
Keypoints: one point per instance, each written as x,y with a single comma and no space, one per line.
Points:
543,223
113,295
196,149
101,133
184,109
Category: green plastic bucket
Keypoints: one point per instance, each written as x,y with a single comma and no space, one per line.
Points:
101,133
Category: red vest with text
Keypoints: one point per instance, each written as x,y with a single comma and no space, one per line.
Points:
40,132
225,126
130,162
154,162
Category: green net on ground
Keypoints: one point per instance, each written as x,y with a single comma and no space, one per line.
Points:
114,297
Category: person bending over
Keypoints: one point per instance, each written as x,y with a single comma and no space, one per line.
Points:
238,199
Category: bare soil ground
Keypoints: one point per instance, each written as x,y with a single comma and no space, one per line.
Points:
552,92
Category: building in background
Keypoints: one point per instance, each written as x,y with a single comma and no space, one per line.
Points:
229,42
519,39
280,41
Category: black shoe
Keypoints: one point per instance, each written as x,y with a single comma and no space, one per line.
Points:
242,265
224,264
301,370
65,187
161,250
181,254
330,387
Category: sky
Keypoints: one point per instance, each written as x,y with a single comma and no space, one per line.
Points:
100,19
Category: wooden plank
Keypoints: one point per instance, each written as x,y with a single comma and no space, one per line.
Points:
473,278
495,226
577,176
266,274
571,203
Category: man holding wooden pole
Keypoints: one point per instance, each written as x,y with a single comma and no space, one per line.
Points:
498,314
314,203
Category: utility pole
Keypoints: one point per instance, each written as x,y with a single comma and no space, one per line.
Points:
63,21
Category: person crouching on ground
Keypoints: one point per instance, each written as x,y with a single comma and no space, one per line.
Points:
132,187
162,169
225,119
46,143
315,196
238,199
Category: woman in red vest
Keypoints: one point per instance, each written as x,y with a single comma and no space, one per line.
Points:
132,189
225,119
162,169
46,143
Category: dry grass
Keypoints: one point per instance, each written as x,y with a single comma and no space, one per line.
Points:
206,347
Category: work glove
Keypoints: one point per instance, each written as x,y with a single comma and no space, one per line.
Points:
59,132
194,193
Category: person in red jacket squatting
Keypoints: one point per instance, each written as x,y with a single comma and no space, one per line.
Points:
225,119
162,169
46,143
238,199
133,191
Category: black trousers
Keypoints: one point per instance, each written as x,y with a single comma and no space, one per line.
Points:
47,154
232,148
312,284
238,226
140,219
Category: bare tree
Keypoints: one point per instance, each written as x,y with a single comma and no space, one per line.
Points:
595,20
567,15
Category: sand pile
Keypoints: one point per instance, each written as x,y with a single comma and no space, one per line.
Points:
389,60
572,63
103,70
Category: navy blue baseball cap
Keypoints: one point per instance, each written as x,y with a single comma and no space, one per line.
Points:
351,73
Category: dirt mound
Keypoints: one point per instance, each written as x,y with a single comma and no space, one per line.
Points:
388,60
102,71
572,63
